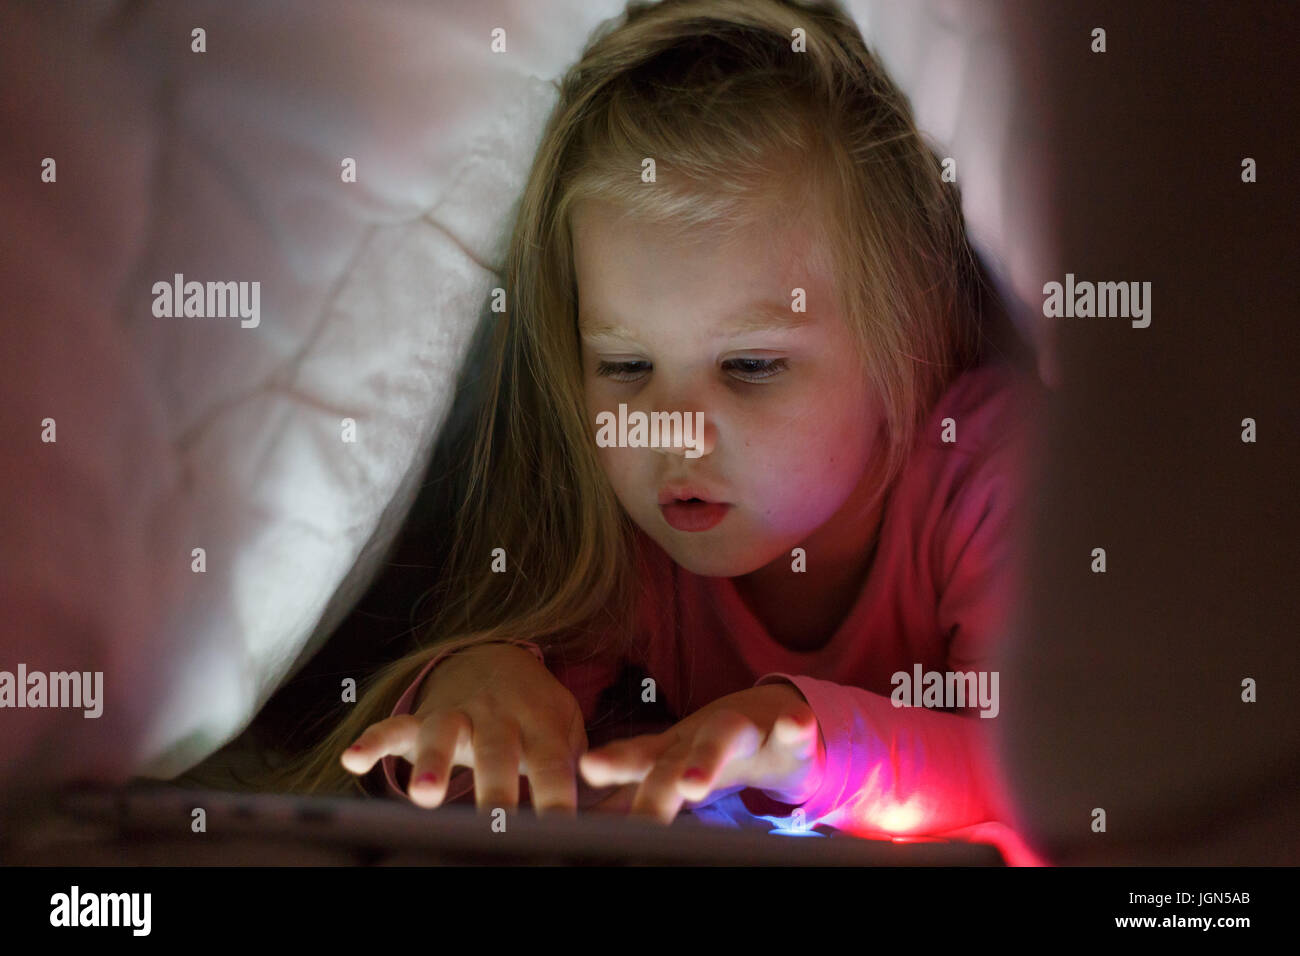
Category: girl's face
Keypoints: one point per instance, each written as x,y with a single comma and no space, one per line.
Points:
791,424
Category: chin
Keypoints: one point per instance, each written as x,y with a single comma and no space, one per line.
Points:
715,560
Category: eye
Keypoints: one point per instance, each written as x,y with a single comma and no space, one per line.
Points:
618,370
758,369
750,369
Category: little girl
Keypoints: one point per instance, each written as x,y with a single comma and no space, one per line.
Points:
731,213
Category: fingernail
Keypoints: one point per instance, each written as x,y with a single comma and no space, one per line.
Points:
427,778
355,747
695,773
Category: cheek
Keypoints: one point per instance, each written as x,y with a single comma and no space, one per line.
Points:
612,460
807,468
783,467
596,401
620,467
814,437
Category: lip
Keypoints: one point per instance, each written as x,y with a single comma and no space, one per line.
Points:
694,516
675,493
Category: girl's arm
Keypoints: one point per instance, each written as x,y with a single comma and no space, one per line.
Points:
891,770
911,769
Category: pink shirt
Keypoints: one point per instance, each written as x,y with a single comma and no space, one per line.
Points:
940,594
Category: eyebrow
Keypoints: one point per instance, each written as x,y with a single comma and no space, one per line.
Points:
763,316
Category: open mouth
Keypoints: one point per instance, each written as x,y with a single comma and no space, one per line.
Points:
694,514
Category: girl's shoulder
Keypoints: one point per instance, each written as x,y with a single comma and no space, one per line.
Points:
962,495
978,443
983,409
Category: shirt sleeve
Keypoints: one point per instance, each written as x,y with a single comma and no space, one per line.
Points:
889,771
912,770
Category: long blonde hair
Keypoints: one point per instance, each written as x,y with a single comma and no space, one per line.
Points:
732,113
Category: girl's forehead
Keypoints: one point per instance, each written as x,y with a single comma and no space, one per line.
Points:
738,220
765,245
633,279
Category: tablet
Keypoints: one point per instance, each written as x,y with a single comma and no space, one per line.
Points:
157,822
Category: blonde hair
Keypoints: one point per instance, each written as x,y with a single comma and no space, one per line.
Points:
736,120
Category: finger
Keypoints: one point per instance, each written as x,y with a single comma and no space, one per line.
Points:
658,797
395,736
726,738
619,801
797,731
443,736
623,761
497,752
552,776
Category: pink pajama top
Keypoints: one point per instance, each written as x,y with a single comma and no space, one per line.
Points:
940,596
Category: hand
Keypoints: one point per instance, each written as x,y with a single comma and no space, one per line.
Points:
493,708
765,737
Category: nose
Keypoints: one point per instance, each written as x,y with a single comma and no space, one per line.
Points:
685,432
